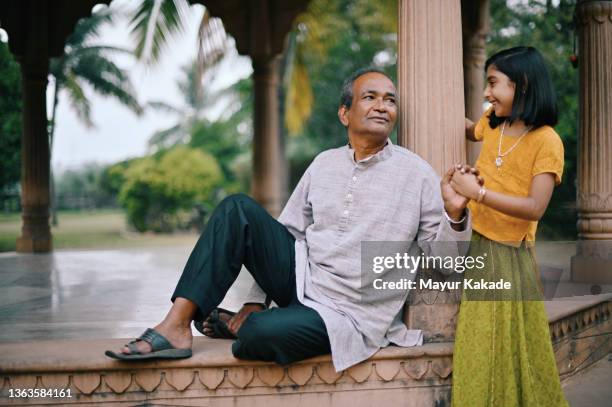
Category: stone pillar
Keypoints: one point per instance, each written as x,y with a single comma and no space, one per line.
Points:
475,24
35,232
430,82
593,262
430,76
267,155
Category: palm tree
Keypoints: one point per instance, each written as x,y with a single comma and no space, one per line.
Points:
84,63
191,111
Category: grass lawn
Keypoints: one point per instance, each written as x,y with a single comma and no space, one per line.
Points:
91,230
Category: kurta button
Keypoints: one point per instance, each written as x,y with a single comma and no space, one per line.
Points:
354,178
346,212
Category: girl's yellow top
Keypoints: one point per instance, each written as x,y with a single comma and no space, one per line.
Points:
540,151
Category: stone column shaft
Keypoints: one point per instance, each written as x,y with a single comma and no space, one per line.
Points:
35,232
593,263
430,77
267,154
595,132
430,82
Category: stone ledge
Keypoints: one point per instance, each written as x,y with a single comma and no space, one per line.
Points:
560,308
213,376
69,356
220,379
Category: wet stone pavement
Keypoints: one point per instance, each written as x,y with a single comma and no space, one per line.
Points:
91,294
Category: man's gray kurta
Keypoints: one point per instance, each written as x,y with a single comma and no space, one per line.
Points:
393,195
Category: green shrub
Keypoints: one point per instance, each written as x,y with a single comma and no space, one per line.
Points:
160,193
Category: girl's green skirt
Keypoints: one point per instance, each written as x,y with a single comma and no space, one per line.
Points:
503,353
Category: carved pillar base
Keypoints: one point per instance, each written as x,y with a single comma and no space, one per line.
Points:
593,263
35,233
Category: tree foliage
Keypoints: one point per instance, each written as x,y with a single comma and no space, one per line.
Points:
159,192
332,40
10,119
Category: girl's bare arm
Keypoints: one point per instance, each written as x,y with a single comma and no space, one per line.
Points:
531,207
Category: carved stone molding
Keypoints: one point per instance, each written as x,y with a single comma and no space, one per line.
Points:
595,202
112,384
566,327
581,339
589,12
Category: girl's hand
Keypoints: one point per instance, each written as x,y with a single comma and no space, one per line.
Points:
470,127
464,168
465,184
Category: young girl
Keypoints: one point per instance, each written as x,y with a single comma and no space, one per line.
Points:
503,352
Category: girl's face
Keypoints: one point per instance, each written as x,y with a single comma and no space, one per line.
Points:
499,92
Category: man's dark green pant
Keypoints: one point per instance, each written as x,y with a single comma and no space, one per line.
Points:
240,232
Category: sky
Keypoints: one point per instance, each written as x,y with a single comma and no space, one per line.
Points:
119,133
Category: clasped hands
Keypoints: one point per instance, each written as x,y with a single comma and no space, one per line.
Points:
460,184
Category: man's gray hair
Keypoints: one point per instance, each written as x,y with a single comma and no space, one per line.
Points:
346,97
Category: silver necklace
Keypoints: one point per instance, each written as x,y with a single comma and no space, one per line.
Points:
499,161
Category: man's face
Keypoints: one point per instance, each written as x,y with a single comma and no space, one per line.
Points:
374,108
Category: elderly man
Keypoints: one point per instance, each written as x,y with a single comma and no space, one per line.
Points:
308,262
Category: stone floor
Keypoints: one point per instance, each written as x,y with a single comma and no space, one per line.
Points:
118,293
91,294
592,387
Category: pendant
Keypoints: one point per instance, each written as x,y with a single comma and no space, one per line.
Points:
499,162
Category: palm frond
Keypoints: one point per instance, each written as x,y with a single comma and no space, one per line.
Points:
78,100
212,46
89,28
153,24
163,107
95,49
167,137
107,79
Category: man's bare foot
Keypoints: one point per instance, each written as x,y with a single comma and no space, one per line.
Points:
179,336
233,322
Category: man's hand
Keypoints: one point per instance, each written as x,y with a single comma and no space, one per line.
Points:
237,320
454,202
